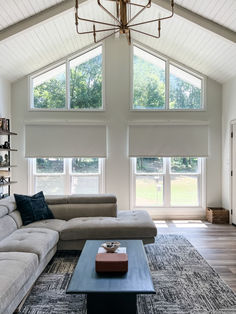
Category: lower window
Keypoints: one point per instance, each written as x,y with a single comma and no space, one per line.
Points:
58,176
167,182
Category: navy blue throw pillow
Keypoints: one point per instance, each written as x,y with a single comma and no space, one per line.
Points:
32,208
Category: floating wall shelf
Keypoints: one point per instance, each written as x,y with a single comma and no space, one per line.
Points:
5,162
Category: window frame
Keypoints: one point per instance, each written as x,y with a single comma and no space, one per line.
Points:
132,79
197,174
195,74
167,187
67,174
168,62
66,61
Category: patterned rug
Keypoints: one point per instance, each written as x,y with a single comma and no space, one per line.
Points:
184,283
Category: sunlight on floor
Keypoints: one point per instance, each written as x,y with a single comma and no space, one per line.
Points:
201,225
189,224
186,221
180,223
160,223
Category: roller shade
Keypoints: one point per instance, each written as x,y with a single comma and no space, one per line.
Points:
168,140
65,141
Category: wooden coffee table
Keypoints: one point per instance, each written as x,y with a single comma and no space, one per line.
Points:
112,293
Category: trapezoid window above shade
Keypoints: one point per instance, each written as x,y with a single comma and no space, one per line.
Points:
168,140
65,141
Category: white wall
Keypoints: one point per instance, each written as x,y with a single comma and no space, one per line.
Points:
117,115
228,114
5,98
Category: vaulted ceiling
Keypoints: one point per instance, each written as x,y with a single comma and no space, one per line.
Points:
35,33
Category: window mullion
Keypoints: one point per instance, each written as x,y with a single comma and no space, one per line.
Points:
167,82
67,162
101,175
134,163
67,84
31,176
167,189
199,183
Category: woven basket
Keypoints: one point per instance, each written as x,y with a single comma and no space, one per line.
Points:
217,215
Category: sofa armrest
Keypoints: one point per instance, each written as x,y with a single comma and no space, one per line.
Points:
73,206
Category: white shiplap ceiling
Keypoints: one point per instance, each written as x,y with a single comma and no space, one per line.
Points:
181,40
13,11
221,12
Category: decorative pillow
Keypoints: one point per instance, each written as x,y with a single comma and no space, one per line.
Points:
32,208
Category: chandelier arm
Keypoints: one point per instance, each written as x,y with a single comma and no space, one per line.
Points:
109,13
97,41
97,31
156,20
150,35
77,17
107,29
96,22
144,7
138,5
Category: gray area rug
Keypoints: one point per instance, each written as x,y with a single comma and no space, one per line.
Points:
184,283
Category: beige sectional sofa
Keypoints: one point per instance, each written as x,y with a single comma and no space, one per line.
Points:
26,250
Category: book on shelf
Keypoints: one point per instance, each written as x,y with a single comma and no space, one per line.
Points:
4,124
5,173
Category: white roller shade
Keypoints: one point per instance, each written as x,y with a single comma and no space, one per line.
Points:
168,140
65,141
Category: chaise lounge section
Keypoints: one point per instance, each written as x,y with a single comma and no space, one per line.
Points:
26,250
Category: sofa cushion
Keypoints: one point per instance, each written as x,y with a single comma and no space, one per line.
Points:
59,199
3,211
17,218
69,211
92,199
9,203
128,224
15,269
32,240
73,206
7,226
53,224
81,199
33,208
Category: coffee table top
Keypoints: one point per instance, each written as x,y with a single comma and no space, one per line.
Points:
137,280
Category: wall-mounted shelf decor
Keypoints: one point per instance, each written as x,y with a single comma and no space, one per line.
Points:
7,184
9,149
2,132
5,157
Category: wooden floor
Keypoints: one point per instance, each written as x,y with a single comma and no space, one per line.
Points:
216,243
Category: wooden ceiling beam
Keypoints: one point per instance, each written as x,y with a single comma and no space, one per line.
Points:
199,20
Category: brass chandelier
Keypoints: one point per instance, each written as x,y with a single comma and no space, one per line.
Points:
124,20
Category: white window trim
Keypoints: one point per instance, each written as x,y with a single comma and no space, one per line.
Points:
197,75
67,174
168,61
67,103
167,208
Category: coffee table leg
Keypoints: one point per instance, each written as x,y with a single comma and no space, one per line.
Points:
115,303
